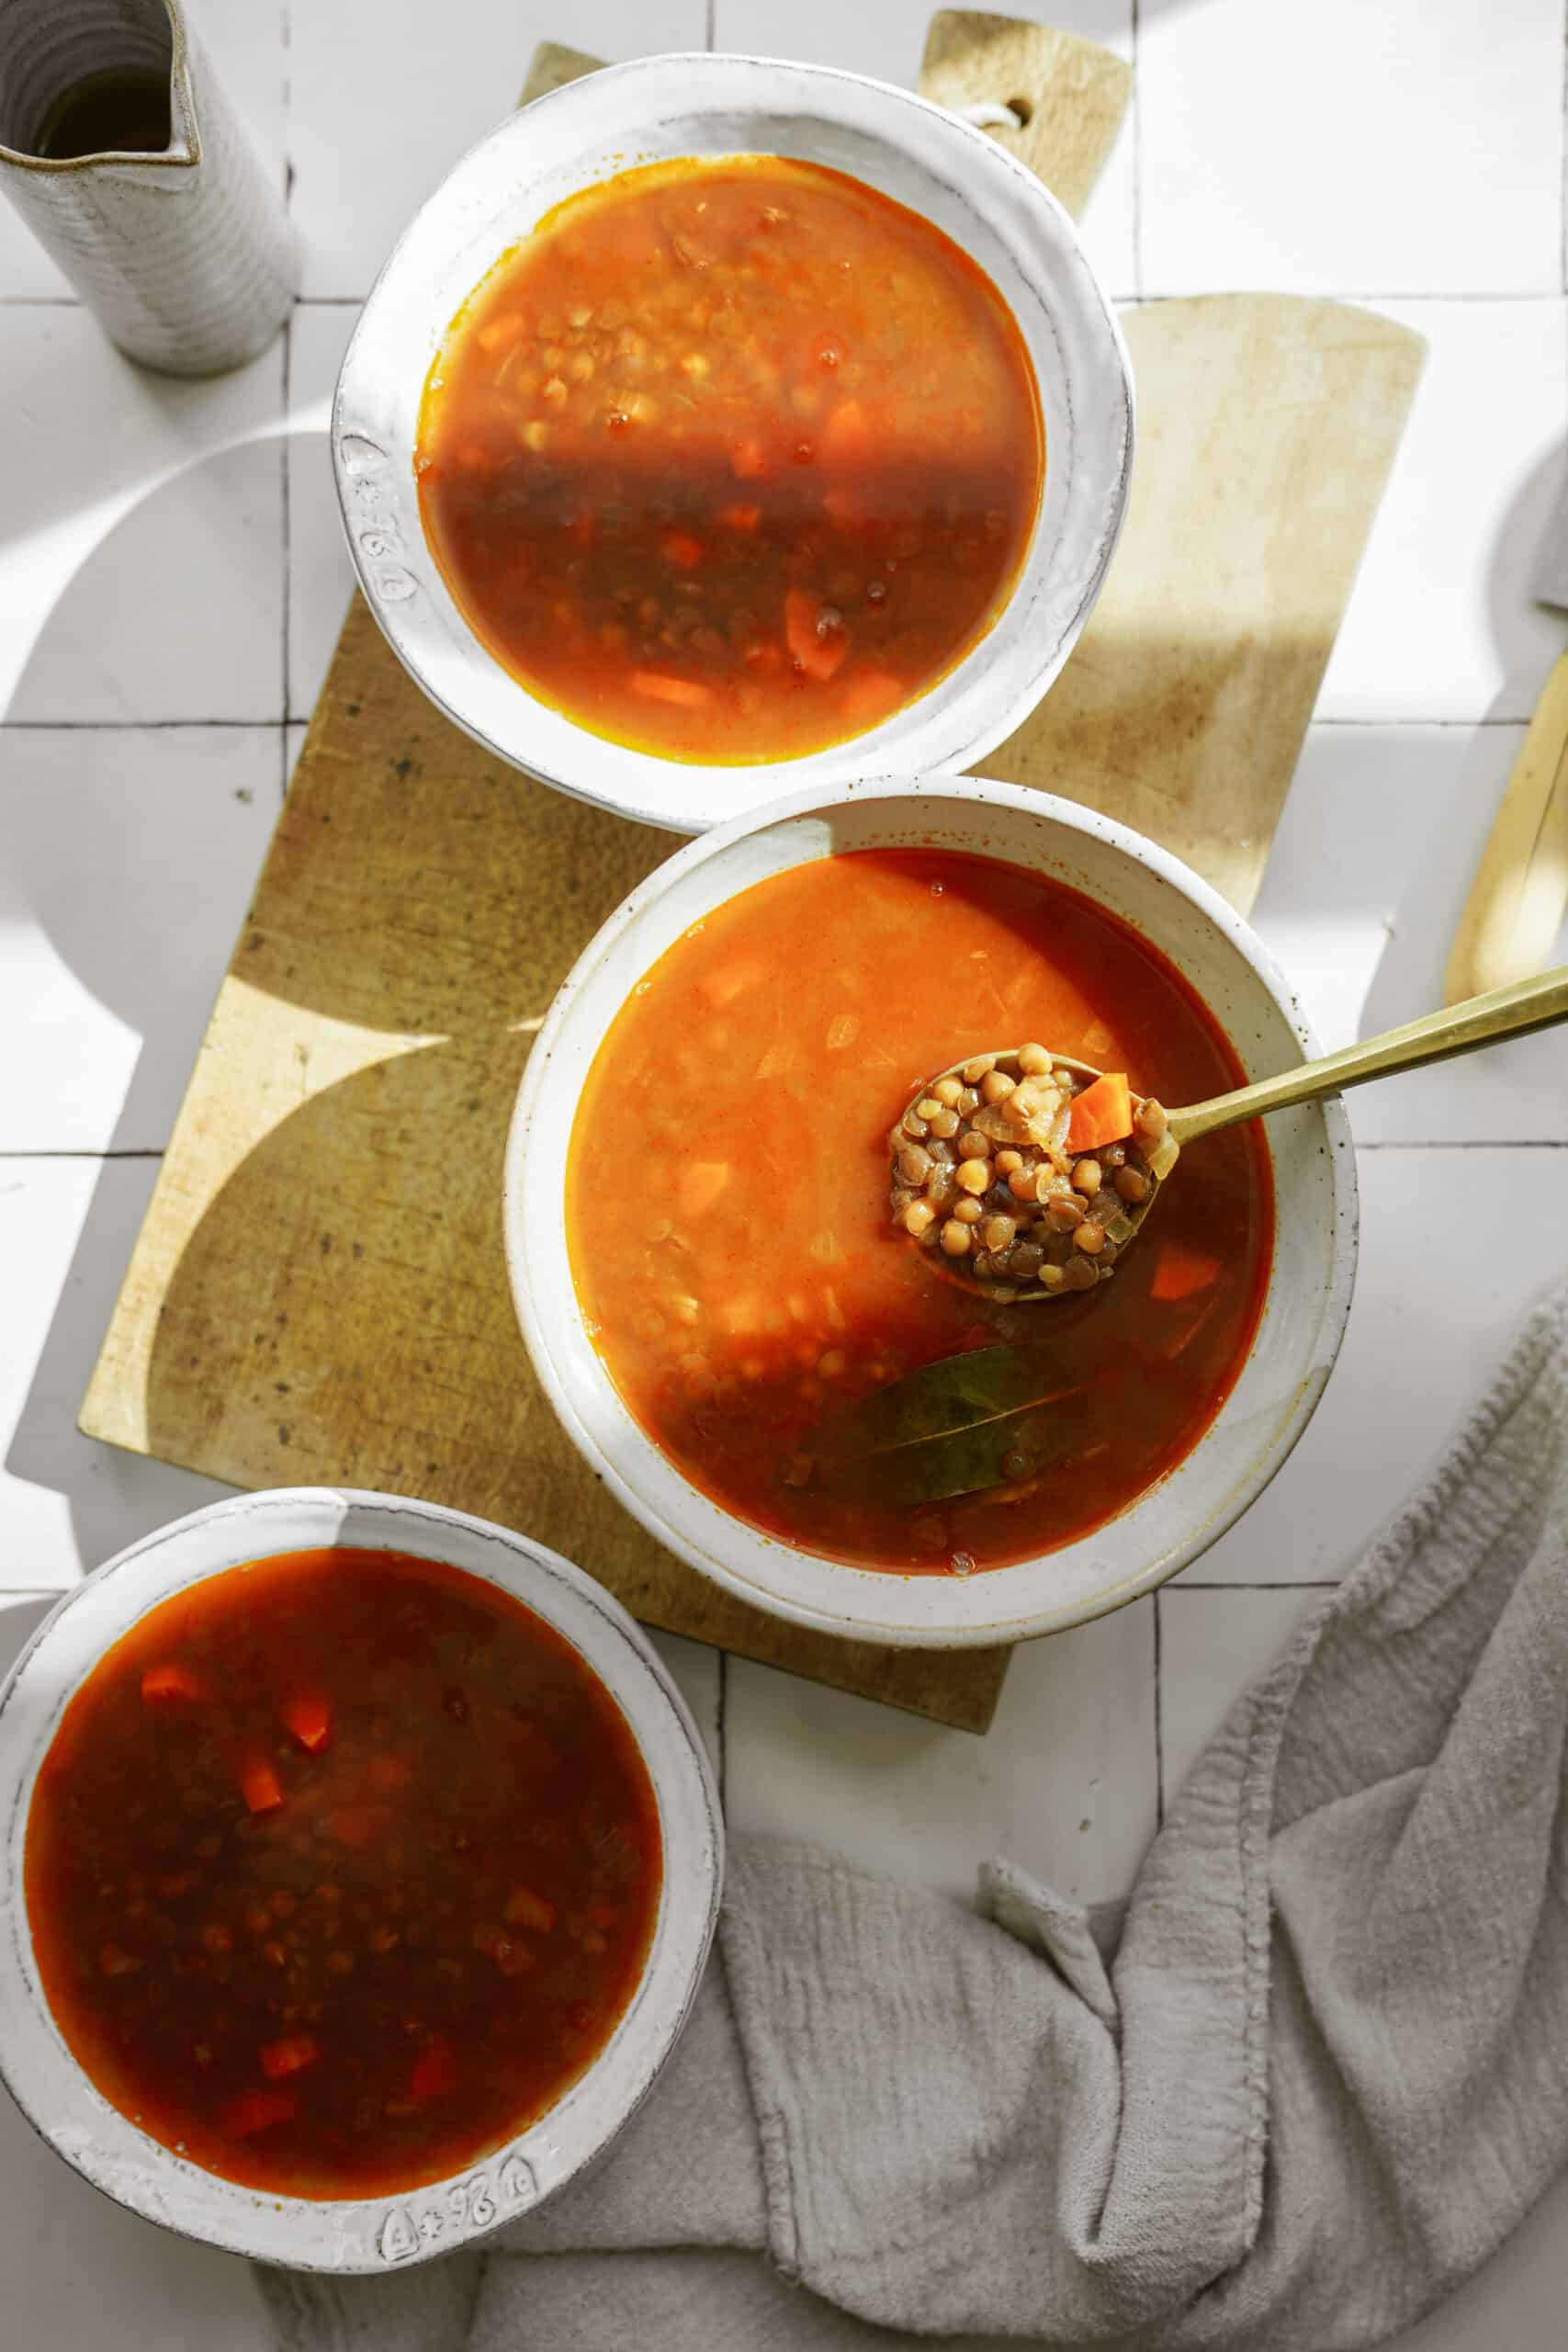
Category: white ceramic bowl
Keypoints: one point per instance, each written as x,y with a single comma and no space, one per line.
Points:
1309,1287
382,2232
659,108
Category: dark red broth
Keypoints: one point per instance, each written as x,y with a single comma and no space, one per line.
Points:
341,1868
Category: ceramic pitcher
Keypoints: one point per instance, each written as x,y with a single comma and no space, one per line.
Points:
184,250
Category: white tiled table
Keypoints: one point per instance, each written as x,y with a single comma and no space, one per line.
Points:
171,582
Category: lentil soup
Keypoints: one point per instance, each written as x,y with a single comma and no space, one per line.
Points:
731,460
341,1868
753,1292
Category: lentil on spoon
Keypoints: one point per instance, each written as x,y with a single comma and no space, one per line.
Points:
985,1175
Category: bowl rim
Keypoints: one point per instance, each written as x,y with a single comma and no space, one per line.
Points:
393,2228
884,744
1027,1623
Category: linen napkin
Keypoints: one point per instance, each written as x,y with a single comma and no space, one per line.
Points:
1315,2073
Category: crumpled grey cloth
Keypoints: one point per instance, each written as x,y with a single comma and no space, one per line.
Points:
1313,2076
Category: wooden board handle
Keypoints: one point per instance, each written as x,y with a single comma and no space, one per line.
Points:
1509,926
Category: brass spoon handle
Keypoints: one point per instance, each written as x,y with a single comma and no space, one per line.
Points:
1513,1012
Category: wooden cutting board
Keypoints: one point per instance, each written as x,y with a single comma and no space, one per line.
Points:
319,1291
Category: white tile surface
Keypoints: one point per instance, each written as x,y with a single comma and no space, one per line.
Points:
320,578
384,100
1212,1644
1370,867
140,559
243,39
66,1504
886,38
117,994
1440,623
1330,149
1433,1315
1064,1784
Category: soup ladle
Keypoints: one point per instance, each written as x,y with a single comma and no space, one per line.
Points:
987,1181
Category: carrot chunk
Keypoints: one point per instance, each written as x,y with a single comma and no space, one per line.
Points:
526,1909
1101,1114
687,694
1181,1271
700,1182
871,696
262,1790
846,434
309,1718
256,2111
740,518
170,1681
749,459
681,549
291,2055
498,333
435,2070
819,656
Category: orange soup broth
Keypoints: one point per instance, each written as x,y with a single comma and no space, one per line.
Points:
729,460
750,1286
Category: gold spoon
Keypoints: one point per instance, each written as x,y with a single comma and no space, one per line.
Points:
1037,1220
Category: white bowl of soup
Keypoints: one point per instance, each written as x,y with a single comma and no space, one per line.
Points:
746,1344
362,1862
718,416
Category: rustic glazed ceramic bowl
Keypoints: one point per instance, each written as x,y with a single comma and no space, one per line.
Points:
1310,1279
381,2233
659,108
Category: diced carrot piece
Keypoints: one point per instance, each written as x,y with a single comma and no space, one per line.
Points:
731,980
289,2057
526,1909
1101,1114
435,2070
845,435
1181,1271
585,531
683,548
702,1181
170,1681
309,1718
842,504
870,695
498,333
262,1790
819,656
750,461
687,694
256,2111
740,518
353,1825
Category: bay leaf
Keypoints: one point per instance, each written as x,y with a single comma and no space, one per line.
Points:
946,1429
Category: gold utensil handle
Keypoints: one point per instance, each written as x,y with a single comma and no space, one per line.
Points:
1516,900
1513,1012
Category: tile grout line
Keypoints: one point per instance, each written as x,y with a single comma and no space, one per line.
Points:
1134,28
710,30
721,1731
1159,1722
46,1152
